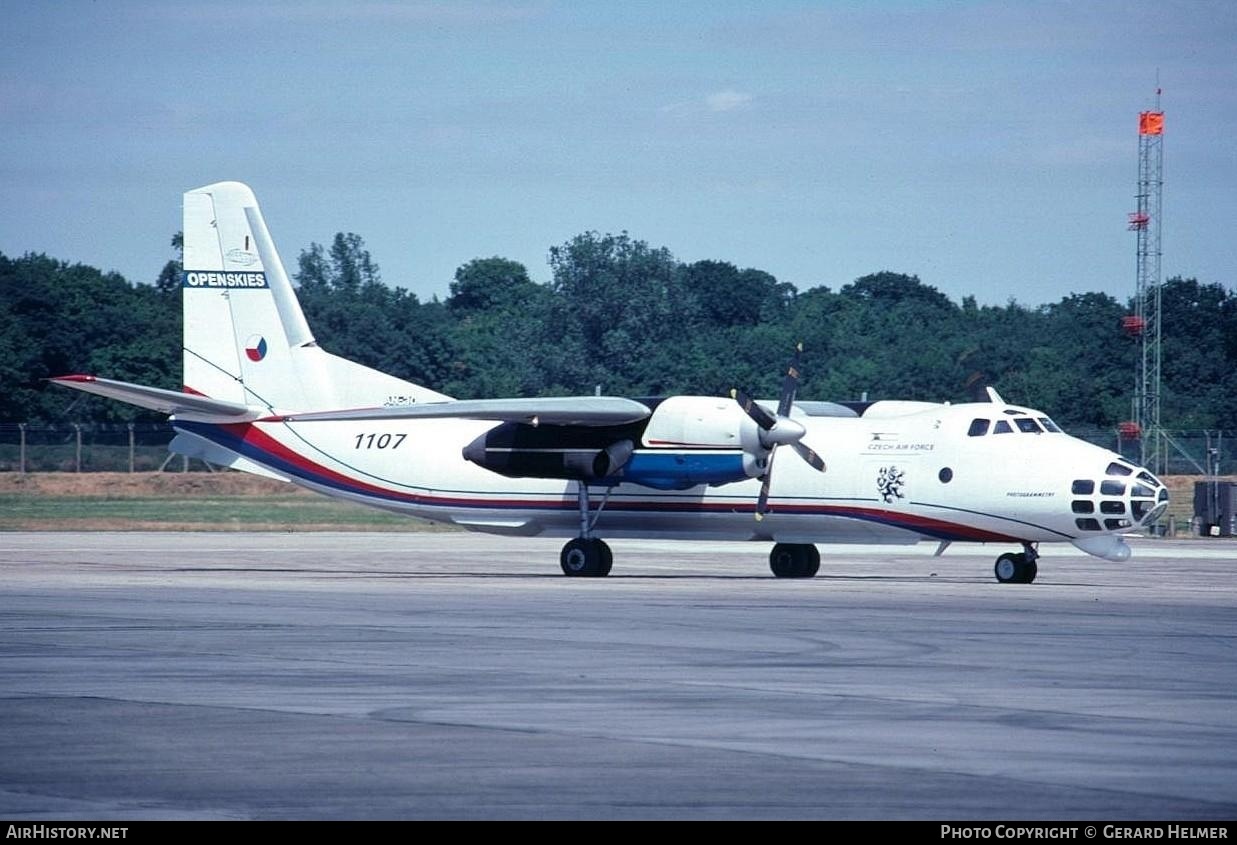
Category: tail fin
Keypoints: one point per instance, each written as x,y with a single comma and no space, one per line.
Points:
246,339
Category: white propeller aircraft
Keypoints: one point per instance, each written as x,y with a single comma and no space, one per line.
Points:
261,396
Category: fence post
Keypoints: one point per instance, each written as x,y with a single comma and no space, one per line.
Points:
78,428
130,448
22,460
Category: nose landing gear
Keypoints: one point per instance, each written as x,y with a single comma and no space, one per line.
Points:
1021,568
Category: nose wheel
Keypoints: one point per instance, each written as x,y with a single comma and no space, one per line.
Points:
1014,568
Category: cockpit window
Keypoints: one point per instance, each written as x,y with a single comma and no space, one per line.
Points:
1149,478
978,428
1118,469
1002,427
1027,425
1049,425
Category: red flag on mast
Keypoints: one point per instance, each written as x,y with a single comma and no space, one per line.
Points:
1151,123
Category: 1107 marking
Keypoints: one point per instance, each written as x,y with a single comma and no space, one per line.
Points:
379,441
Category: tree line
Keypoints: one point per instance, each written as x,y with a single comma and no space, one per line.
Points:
630,318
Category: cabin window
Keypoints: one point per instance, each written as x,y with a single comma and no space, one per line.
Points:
1027,425
1001,427
978,428
1083,487
1087,524
946,475
1118,469
1083,506
1113,488
1112,507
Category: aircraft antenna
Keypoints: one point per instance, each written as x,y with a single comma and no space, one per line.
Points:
1144,324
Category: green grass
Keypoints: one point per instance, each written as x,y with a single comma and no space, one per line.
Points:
290,513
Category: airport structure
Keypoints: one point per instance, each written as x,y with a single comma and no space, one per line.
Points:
1144,324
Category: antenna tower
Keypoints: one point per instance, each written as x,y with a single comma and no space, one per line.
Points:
1145,324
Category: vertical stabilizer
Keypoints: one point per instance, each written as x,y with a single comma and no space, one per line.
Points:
246,339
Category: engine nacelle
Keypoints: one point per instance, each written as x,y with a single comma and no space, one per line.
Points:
700,423
688,441
524,451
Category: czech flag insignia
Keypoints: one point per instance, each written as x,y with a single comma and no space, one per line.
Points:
255,348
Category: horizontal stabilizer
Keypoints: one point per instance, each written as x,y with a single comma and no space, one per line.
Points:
570,410
193,446
154,398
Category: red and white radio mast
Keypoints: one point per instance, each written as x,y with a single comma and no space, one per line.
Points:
1145,323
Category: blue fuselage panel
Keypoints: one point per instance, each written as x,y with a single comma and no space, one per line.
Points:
682,470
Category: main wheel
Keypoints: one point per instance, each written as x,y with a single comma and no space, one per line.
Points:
607,559
812,563
794,560
1015,569
586,557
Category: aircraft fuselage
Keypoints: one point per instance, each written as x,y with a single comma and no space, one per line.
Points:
892,477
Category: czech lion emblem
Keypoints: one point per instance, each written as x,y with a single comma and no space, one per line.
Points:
889,483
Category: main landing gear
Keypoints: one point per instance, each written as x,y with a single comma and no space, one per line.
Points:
794,560
587,556
1018,568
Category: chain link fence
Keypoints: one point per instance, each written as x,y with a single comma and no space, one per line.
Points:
89,447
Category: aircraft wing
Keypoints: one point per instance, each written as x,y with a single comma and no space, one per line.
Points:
568,410
155,398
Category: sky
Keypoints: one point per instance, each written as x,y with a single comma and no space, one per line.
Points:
989,148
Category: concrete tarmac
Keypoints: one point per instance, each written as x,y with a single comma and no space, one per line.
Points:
461,676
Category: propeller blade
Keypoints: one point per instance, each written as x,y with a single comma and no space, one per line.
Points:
790,383
758,414
762,502
778,430
813,459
